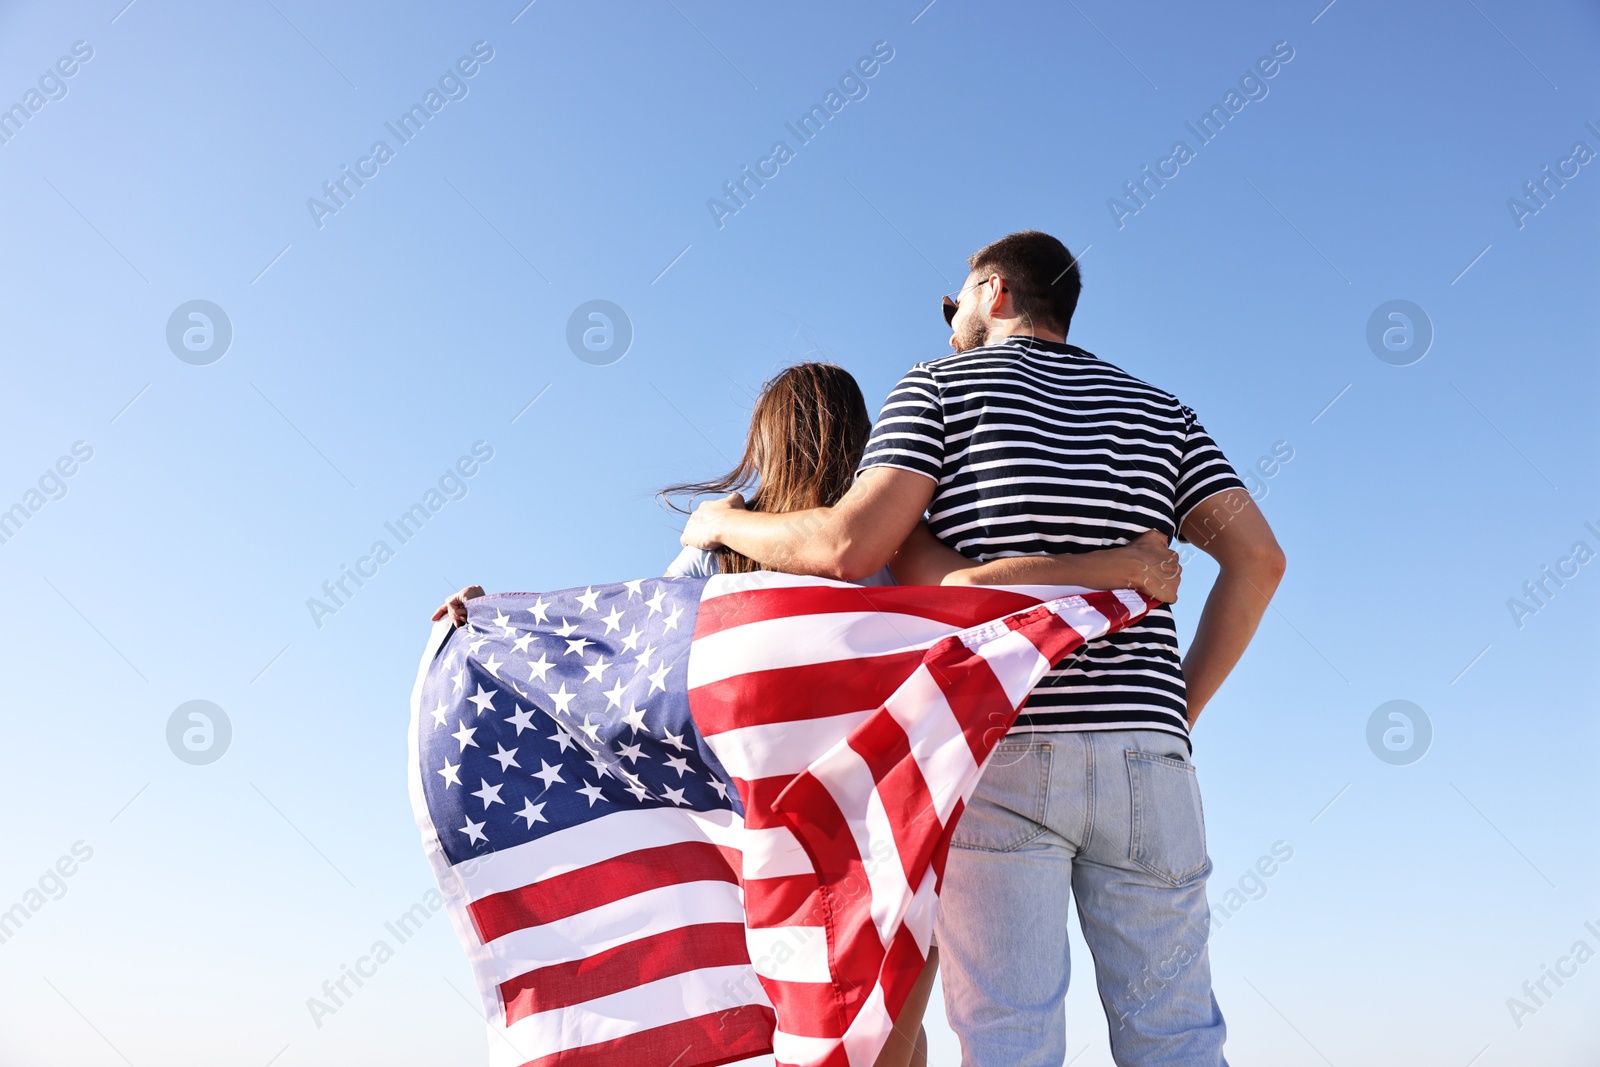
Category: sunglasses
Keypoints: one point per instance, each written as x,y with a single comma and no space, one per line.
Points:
953,300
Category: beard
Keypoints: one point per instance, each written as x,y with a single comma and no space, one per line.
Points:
971,334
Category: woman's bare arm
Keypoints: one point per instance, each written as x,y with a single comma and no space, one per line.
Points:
923,559
1146,564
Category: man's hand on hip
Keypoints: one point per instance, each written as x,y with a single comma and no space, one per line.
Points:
1156,571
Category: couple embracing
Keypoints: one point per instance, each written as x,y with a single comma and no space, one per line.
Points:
1023,460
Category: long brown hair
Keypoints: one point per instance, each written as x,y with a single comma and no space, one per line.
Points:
807,432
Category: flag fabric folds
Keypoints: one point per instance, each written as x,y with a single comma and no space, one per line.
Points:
689,821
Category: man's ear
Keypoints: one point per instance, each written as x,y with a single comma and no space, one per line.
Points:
999,298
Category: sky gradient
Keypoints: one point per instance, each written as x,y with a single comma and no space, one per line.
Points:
1431,487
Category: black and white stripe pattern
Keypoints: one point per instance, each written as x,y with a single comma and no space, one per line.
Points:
1038,446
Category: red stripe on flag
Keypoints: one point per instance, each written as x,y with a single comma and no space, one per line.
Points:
757,796
601,883
687,948
975,695
841,902
901,966
788,900
959,606
858,959
968,681
854,949
705,1041
811,691
882,744
1055,639
1112,607
808,1009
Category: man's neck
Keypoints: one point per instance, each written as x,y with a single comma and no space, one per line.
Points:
1020,330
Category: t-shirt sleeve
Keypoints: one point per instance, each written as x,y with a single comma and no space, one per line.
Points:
881,576
693,563
1202,470
909,433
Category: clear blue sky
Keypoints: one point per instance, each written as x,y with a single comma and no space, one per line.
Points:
370,352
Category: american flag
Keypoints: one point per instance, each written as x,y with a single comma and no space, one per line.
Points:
689,821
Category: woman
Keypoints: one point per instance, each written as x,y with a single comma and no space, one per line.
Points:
807,433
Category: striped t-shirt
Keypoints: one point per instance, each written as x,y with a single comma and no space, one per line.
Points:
1038,446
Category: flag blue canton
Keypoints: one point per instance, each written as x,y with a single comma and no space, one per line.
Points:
552,710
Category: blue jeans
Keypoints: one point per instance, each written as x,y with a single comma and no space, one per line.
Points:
1114,818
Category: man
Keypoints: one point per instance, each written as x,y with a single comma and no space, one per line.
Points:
1020,443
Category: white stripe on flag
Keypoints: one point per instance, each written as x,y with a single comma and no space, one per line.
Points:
774,852
801,640
848,779
767,750
792,1048
668,1000
940,751
723,584
867,1034
1077,613
579,936
790,953
923,911
579,846
1016,663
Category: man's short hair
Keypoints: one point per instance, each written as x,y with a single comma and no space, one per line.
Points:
1039,271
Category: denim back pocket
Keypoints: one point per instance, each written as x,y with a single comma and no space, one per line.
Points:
1169,832
1007,809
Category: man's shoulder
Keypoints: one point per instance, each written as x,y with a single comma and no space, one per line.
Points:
1133,381
972,357
955,367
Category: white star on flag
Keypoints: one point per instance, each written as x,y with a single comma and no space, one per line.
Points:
532,812
522,719
489,794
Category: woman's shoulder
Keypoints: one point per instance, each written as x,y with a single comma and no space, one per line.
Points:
693,563
698,563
